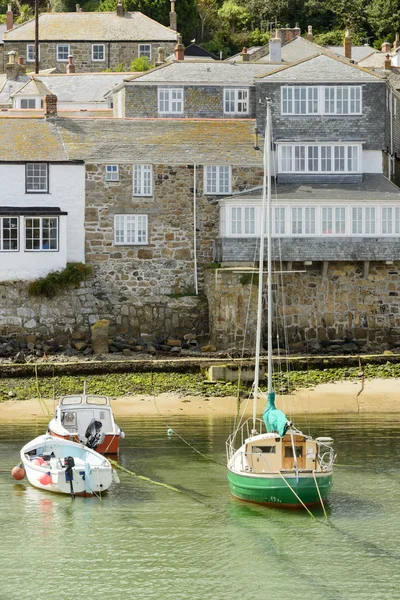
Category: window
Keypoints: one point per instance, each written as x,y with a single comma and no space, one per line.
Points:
36,175
309,220
236,101
145,50
170,100
130,229
297,221
30,53
243,220
279,220
390,218
9,233
41,233
142,180
112,173
363,220
333,220
63,52
217,180
98,52
321,100
319,159
28,102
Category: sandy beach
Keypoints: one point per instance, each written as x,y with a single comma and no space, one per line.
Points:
378,395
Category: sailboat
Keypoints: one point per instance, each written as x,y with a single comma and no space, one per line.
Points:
269,460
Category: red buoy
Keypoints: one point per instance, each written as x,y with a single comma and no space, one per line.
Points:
18,472
45,479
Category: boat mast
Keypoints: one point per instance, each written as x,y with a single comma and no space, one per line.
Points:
265,211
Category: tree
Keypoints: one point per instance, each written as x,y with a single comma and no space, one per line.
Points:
234,15
384,18
207,11
25,13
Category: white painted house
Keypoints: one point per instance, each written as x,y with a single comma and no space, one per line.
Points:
42,198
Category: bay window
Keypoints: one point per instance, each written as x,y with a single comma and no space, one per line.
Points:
313,158
41,233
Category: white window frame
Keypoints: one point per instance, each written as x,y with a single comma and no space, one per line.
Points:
35,175
297,100
298,158
10,228
59,46
170,101
217,180
236,101
41,241
143,52
30,53
131,230
112,173
28,101
142,180
93,52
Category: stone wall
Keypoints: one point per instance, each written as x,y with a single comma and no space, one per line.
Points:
344,306
115,54
166,264
200,101
76,309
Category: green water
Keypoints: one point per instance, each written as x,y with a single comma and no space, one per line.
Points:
143,541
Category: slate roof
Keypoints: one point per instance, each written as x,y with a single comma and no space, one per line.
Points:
2,32
30,139
357,52
33,87
374,61
163,141
10,86
204,72
321,68
372,187
82,87
93,26
193,50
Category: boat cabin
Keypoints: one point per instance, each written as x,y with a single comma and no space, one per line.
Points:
271,453
88,407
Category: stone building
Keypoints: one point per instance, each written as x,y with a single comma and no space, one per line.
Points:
96,40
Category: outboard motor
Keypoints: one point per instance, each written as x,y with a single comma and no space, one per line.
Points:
93,433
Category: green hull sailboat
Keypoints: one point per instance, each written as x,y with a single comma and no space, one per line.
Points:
269,460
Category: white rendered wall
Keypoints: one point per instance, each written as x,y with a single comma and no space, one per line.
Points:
66,191
372,161
22,265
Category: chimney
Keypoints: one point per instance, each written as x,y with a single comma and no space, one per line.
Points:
70,66
245,55
179,49
14,68
385,47
347,44
387,65
21,60
275,54
50,106
9,18
78,8
396,42
160,56
287,34
172,17
120,9
309,34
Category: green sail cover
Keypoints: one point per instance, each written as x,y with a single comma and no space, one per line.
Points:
274,419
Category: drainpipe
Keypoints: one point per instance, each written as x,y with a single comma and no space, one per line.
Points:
196,283
109,57
391,134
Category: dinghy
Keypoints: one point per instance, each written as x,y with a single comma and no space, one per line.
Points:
65,467
88,419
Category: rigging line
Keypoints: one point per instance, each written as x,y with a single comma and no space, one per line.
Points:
178,435
42,403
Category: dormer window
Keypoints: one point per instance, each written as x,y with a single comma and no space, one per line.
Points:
321,100
236,101
170,100
316,158
28,103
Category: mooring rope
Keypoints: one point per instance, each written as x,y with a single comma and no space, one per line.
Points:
298,497
42,403
319,494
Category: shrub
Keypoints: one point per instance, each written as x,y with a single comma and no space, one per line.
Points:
56,281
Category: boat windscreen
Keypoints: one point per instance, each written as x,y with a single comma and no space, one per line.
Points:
103,400
71,400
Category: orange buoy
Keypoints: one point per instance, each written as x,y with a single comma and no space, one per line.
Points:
45,479
36,462
18,472
40,459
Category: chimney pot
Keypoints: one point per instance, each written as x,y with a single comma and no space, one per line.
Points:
160,56
172,17
396,42
11,57
388,63
310,34
70,66
179,49
347,44
20,60
50,106
245,55
386,46
9,18
120,9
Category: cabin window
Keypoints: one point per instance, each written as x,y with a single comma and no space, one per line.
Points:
68,419
289,451
265,449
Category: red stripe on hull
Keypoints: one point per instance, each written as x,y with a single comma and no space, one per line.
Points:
110,445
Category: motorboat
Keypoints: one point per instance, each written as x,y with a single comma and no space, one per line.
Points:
87,419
